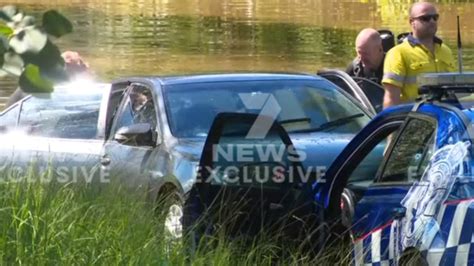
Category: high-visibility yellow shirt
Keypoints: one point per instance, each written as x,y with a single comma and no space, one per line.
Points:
409,59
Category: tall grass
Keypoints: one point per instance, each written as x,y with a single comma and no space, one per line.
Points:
44,223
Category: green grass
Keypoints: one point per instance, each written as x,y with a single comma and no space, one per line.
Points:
50,223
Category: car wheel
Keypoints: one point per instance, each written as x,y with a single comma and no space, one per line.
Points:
412,257
173,220
171,210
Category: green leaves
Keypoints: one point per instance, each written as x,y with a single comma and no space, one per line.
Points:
30,39
12,64
31,81
5,30
7,13
56,24
49,61
23,43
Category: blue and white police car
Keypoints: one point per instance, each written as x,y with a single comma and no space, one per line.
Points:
415,202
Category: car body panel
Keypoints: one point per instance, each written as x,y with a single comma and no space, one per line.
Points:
71,159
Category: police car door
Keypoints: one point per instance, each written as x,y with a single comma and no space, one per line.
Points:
404,163
374,173
245,189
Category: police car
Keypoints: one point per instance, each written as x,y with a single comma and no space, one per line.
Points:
415,202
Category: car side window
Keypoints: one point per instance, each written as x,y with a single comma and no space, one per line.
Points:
115,98
364,173
411,153
138,108
61,115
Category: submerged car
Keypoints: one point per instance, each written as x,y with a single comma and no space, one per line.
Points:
150,132
402,188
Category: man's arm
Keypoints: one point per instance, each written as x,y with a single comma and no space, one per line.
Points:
391,96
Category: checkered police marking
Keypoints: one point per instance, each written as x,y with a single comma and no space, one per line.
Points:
442,230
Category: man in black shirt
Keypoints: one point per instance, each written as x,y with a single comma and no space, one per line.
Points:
370,56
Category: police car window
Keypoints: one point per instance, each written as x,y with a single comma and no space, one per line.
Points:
139,108
411,152
364,173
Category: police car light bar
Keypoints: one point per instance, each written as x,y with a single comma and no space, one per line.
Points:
439,85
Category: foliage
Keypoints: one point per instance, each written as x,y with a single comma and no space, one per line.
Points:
43,222
26,49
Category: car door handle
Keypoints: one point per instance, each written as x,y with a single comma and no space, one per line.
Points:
105,160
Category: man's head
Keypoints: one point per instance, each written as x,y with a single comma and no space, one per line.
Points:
424,20
369,48
74,64
139,96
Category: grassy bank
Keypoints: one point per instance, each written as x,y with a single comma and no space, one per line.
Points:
50,223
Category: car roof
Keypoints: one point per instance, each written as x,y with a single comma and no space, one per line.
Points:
229,77
81,87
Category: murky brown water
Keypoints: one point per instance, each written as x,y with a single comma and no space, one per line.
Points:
153,37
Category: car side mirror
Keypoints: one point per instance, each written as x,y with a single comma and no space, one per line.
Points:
138,134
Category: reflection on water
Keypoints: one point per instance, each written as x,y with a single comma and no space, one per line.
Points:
151,37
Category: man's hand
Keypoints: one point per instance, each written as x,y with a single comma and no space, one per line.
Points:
391,96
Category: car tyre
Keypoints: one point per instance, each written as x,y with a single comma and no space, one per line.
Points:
170,208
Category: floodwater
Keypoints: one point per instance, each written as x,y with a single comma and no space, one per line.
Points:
160,37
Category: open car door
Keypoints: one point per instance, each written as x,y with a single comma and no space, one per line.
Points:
249,181
369,93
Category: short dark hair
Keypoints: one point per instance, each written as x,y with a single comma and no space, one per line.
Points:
140,89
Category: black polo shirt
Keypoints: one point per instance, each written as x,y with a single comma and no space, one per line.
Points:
356,69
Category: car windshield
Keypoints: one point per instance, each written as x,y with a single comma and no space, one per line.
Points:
299,105
62,114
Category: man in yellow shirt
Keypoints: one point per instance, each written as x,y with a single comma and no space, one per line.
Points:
420,52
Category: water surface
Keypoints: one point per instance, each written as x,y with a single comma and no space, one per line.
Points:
160,37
